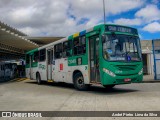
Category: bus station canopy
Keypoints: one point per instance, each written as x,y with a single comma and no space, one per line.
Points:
13,44
43,40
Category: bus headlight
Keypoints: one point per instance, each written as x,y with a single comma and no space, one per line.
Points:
109,72
140,72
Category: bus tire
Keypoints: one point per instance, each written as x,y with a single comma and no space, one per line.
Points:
38,78
108,87
79,82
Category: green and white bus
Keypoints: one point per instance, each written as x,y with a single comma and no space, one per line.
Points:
106,54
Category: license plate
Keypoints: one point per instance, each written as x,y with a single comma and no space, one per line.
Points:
127,80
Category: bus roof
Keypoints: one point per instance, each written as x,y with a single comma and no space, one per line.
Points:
32,51
83,32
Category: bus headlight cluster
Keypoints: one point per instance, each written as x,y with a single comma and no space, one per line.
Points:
140,72
109,72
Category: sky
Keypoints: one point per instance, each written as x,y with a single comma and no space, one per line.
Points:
65,17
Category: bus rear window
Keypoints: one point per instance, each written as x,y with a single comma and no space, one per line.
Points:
36,57
58,51
42,55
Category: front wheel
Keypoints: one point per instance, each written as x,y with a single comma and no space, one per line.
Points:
79,82
38,78
108,87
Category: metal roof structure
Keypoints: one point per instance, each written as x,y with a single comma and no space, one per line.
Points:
43,40
13,44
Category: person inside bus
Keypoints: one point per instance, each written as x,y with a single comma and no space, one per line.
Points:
118,49
76,44
106,47
106,55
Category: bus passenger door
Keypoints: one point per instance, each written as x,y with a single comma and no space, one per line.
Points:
49,64
94,59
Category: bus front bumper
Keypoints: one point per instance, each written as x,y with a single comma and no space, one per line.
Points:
109,80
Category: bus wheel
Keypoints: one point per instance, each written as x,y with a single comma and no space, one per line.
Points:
79,82
38,78
108,87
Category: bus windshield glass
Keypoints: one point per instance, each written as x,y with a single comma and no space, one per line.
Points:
121,48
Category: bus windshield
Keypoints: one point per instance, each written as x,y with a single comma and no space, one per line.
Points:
121,48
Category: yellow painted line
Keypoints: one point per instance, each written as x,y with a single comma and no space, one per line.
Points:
22,79
50,81
14,80
18,79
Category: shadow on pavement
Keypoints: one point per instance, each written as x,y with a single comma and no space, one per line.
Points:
92,89
115,90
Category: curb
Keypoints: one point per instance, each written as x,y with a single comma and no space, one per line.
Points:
153,81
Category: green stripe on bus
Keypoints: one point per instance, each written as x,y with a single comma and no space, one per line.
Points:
32,51
70,37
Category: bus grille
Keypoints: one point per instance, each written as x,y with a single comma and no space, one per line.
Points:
126,67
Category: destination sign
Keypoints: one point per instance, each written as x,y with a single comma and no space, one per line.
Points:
121,29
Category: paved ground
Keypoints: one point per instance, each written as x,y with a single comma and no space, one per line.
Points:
28,96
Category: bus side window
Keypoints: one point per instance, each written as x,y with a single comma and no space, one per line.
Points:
42,55
83,44
76,46
67,48
79,45
58,51
36,57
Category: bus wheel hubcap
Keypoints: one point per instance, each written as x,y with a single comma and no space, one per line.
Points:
80,82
